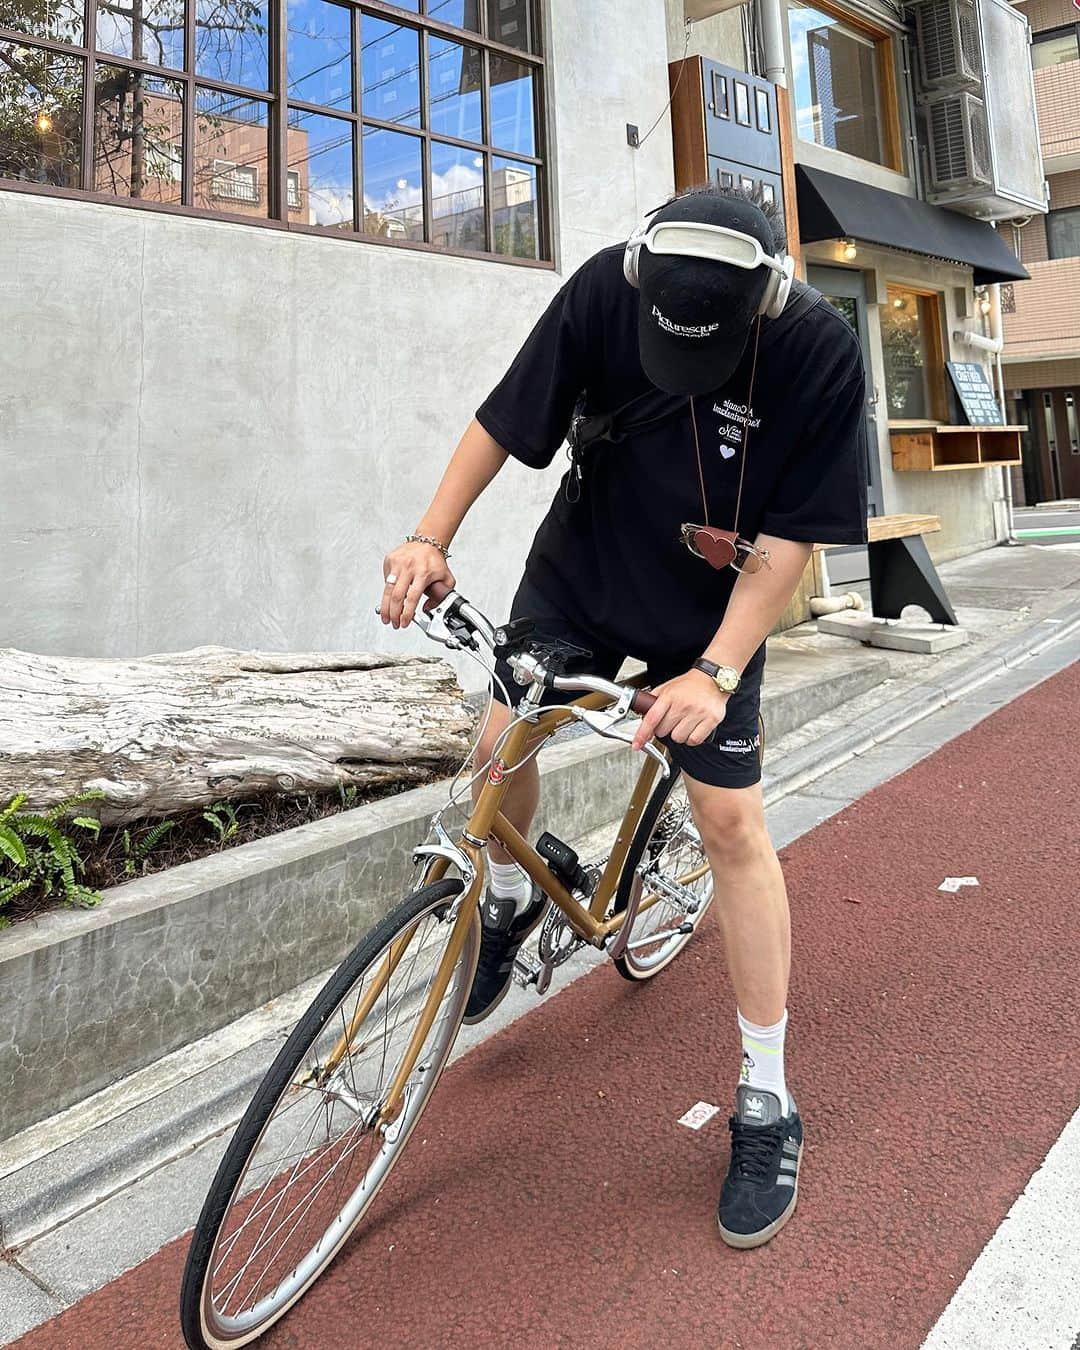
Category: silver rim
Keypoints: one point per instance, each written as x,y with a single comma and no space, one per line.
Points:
673,851
319,1161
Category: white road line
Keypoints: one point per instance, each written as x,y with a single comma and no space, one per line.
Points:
1023,1292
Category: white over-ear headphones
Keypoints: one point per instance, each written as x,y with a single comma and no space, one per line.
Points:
692,239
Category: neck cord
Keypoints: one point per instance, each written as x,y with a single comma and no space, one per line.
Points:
745,438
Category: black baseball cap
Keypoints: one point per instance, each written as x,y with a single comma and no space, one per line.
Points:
695,315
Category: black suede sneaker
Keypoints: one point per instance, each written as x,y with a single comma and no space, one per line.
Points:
761,1187
501,935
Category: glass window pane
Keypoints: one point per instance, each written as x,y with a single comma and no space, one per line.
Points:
320,185
232,154
320,53
41,98
512,117
393,185
905,323
834,73
232,41
61,20
1054,49
513,22
157,38
454,89
138,132
461,13
515,206
457,198
1072,421
391,71
1063,233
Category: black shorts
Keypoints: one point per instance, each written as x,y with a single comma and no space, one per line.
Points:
732,759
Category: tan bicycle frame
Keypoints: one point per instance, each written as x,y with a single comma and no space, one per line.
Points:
487,821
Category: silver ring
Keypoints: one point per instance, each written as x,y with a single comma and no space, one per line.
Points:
391,578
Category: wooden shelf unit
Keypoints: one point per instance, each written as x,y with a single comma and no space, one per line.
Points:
923,447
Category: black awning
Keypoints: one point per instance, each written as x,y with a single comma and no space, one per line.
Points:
831,207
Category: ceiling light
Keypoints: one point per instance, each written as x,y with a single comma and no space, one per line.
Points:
849,250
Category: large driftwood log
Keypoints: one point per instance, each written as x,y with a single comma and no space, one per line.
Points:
165,733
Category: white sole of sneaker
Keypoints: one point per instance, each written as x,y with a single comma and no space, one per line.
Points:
744,1241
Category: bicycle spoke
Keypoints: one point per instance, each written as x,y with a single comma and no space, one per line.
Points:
319,1156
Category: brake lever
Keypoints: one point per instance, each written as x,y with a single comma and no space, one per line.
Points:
606,722
434,624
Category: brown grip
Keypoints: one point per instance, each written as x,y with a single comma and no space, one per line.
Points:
437,592
643,701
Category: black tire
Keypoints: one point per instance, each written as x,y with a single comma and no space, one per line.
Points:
644,840
430,902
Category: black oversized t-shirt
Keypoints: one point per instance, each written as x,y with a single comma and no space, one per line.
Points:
614,559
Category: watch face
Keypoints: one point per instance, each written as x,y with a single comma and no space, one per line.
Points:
727,679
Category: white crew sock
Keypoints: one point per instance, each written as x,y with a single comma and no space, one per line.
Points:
763,1058
509,882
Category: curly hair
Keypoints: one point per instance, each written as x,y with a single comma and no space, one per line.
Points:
769,208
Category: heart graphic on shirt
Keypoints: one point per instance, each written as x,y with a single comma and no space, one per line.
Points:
726,450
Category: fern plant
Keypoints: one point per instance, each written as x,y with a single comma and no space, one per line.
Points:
223,820
136,851
39,850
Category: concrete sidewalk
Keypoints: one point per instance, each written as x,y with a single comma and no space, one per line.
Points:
99,1188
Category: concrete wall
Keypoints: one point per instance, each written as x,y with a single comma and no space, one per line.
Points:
717,37
212,432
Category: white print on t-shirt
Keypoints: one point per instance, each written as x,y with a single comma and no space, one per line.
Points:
735,417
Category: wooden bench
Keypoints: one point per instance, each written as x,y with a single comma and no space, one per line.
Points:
901,572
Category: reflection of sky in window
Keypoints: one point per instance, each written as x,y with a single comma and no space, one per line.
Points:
320,51
460,13
222,53
457,179
801,21
392,175
161,36
321,150
391,71
512,106
454,82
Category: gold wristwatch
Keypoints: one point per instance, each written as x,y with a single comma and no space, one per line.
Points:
726,678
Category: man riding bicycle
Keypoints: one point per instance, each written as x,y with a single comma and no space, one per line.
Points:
716,411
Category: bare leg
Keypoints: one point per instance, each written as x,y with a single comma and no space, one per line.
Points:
750,896
523,793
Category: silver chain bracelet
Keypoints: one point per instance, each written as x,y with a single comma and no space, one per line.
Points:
427,539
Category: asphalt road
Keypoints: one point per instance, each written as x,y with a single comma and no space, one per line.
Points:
551,1199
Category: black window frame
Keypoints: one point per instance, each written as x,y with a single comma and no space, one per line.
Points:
279,101
1059,211
1048,34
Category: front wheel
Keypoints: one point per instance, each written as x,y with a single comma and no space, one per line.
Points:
311,1152
667,878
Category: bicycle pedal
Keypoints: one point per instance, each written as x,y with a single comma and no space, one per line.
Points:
536,973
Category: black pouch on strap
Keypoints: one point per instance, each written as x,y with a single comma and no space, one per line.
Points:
646,410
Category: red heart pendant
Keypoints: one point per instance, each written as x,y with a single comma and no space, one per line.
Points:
717,547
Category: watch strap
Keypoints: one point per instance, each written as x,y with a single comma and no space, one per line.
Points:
713,670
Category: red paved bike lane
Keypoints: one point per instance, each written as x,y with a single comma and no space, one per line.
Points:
550,1199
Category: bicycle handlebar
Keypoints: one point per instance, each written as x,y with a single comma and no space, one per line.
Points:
642,700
